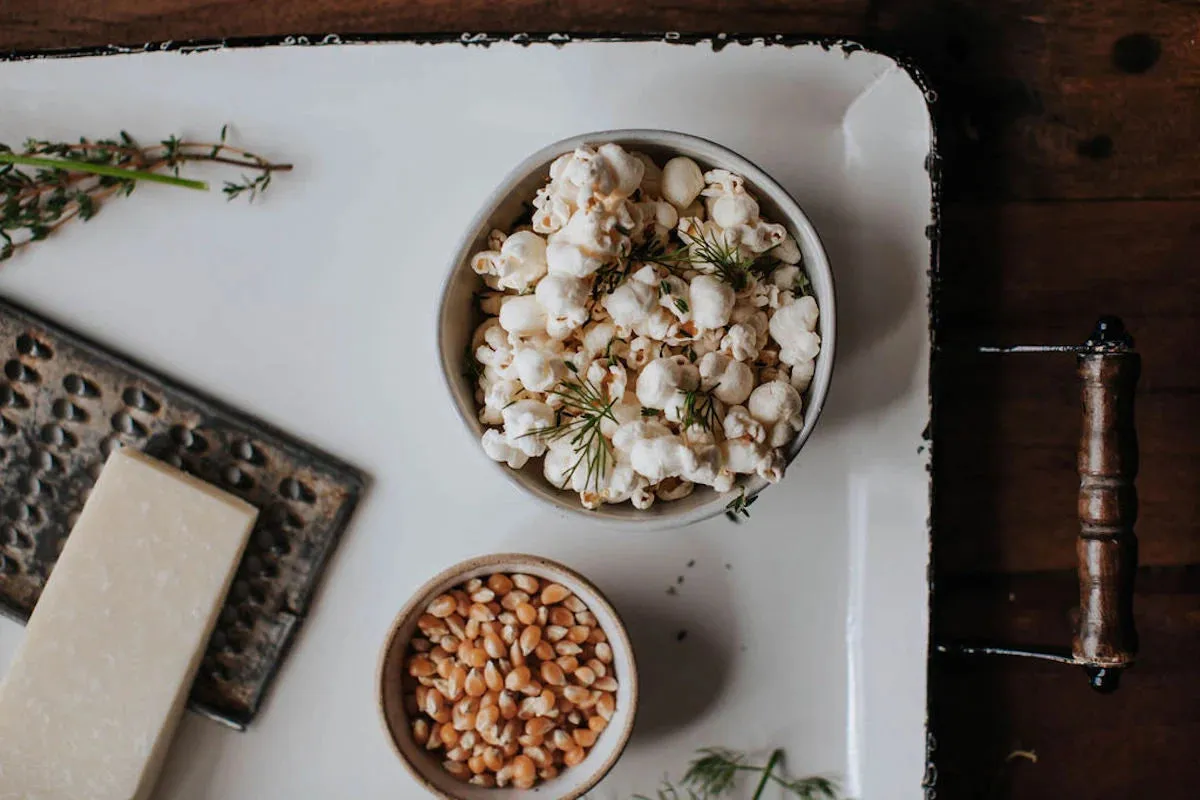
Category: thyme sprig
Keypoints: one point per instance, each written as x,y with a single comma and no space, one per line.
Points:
715,771
50,183
583,410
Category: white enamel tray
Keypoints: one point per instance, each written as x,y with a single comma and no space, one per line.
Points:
806,626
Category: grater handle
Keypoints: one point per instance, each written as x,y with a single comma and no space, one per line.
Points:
1106,640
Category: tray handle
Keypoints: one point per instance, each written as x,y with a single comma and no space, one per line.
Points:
1106,640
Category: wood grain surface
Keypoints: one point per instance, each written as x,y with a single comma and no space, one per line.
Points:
1070,139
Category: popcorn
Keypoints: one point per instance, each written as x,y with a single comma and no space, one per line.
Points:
787,251
712,302
749,458
682,181
661,457
564,299
728,380
523,315
726,199
496,397
739,424
632,301
526,417
802,374
664,375
740,342
517,265
664,379
498,448
651,176
778,407
538,370
792,326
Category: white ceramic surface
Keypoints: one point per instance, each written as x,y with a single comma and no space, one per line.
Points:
316,308
571,782
458,317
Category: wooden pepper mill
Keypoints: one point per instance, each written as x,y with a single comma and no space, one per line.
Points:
1105,641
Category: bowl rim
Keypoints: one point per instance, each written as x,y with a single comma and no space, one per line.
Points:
796,218
429,587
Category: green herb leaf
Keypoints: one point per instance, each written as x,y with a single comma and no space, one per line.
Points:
715,773
739,506
700,409
583,410
51,183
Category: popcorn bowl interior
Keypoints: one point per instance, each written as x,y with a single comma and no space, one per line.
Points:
458,317
426,766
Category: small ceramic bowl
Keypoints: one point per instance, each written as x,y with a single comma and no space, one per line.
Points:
458,317
426,766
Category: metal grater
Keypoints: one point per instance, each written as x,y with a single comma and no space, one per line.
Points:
66,404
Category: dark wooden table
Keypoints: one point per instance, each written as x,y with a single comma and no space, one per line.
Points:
1071,136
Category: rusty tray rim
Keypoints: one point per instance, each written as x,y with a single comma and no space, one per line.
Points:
718,41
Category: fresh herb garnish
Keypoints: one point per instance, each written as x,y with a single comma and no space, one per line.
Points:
649,412
651,251
681,304
714,774
804,285
700,409
740,505
50,183
726,259
583,410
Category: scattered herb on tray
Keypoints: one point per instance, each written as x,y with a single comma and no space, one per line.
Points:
715,771
739,505
50,183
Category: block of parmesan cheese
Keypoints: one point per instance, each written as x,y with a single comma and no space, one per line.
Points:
92,699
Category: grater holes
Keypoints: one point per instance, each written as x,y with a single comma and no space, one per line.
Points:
63,409
80,386
123,422
27,345
246,451
57,436
293,489
14,370
12,398
237,479
31,486
109,445
15,537
189,439
141,400
43,461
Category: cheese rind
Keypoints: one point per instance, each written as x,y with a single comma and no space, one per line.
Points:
92,699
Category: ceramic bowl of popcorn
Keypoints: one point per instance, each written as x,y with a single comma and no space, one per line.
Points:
538,691
639,326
